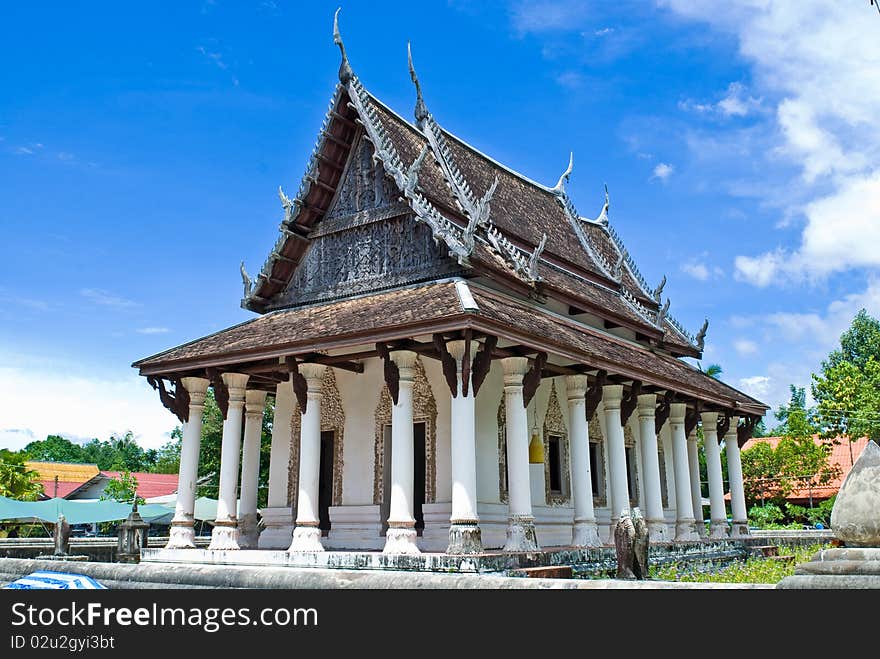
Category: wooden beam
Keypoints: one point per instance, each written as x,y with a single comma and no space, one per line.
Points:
608,324
335,362
329,136
574,311
343,120
331,162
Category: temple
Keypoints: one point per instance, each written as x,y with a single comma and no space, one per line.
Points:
460,363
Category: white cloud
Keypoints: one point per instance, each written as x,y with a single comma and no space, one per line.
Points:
735,103
152,330
39,401
24,151
816,63
696,270
570,79
548,15
662,171
757,386
605,31
745,347
107,299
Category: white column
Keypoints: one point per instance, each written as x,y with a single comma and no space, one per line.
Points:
651,474
277,515
520,522
306,534
464,528
668,465
225,533
696,491
584,533
619,499
255,402
717,513
740,527
401,535
182,535
684,511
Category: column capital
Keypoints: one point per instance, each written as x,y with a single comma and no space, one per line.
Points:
611,395
235,382
196,388
677,412
456,349
576,387
647,405
734,421
312,372
255,402
405,359
710,421
514,369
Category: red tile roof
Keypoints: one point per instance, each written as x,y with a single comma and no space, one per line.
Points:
150,485
843,454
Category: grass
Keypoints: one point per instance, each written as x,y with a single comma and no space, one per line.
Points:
750,570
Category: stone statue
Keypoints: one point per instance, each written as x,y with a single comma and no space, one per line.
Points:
624,535
631,545
62,536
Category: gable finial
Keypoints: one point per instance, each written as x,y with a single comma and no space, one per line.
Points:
559,188
421,110
345,72
701,335
662,312
245,280
659,290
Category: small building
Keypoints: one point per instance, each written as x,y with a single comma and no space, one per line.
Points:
460,361
75,481
842,455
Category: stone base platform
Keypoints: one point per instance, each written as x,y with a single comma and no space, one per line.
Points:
842,567
593,559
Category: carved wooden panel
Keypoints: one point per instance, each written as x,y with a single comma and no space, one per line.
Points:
424,411
332,418
364,185
554,423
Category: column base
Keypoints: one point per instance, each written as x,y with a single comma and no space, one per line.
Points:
585,534
248,533
401,539
277,528
658,531
465,537
739,530
224,535
701,529
686,532
182,535
718,530
521,534
306,538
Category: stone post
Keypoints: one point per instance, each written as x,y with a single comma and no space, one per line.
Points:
401,535
182,535
684,511
306,534
619,499
225,533
277,515
255,402
740,526
717,513
521,534
651,476
585,532
696,490
464,528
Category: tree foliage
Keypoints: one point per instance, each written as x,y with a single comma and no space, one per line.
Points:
16,480
117,453
847,391
122,488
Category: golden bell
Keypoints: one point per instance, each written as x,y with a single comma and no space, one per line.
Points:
536,449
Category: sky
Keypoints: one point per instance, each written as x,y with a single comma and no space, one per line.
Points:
142,145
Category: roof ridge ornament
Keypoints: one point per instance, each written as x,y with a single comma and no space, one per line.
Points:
603,216
657,291
534,258
701,335
421,110
287,204
559,188
661,313
246,280
345,71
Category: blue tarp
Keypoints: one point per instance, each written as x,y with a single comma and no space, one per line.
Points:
75,512
44,579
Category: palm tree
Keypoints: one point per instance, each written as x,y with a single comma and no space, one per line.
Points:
16,480
712,370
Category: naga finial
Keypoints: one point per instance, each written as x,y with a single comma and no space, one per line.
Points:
659,290
533,259
701,335
245,280
421,110
345,72
661,313
559,188
618,267
603,216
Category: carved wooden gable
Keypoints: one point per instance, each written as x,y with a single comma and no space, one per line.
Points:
368,241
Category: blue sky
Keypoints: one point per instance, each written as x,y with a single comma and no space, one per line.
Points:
141,147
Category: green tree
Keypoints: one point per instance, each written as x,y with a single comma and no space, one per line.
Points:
16,480
712,370
168,455
847,391
123,488
54,449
